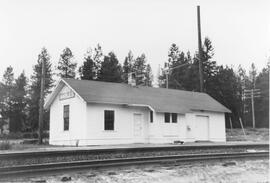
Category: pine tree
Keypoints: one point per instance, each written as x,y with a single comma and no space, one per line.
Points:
225,87
88,69
128,66
253,75
173,55
140,69
32,122
177,77
262,103
66,66
209,66
98,58
7,99
19,105
148,75
111,70
245,108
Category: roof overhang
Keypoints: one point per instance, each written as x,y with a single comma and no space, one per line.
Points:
124,104
218,111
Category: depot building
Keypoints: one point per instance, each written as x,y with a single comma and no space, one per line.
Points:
84,112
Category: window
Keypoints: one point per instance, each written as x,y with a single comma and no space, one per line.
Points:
108,120
66,117
174,117
151,116
167,117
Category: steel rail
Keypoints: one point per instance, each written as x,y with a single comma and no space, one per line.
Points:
75,165
66,152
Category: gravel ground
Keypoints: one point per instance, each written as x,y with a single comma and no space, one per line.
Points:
246,171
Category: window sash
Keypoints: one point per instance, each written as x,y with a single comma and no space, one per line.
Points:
66,117
167,117
66,111
108,120
66,124
174,117
151,116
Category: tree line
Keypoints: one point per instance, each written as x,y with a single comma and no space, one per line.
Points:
19,97
223,83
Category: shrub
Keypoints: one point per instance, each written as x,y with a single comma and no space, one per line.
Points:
5,145
11,135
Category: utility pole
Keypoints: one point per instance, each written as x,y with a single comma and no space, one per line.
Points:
41,101
167,80
200,49
252,106
251,94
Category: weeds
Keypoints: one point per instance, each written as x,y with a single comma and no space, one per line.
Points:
5,145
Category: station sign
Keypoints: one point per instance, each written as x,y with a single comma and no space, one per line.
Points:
66,95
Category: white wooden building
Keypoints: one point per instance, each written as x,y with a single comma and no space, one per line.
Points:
94,113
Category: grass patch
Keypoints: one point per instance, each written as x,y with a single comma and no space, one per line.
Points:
255,135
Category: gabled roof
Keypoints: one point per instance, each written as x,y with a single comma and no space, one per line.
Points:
158,99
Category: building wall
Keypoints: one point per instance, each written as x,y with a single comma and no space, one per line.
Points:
161,132
123,132
217,130
86,125
77,119
186,129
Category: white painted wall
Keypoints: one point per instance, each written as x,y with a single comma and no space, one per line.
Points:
87,125
161,132
185,129
217,130
123,132
77,125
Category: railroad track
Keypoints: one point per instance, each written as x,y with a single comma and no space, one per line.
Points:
75,165
69,152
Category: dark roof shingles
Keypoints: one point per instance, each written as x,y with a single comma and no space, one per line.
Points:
160,99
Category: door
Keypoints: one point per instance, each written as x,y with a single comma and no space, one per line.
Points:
202,128
137,128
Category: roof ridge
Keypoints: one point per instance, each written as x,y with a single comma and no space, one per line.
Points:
138,86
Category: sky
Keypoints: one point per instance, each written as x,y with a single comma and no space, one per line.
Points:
239,30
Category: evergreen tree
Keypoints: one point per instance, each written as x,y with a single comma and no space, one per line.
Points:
148,75
110,70
66,66
225,87
209,66
88,69
177,77
262,103
7,98
32,122
19,104
253,75
98,58
140,69
249,82
243,81
128,66
160,80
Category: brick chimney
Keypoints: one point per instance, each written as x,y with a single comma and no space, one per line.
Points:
132,79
